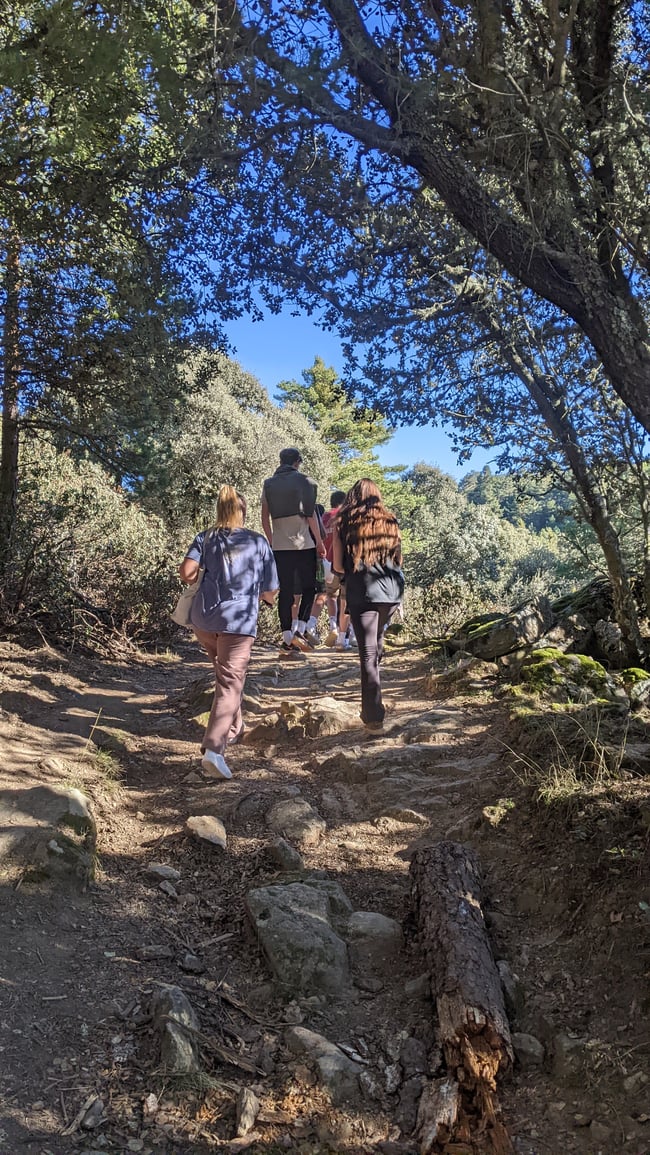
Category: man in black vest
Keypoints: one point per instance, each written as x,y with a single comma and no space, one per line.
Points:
291,526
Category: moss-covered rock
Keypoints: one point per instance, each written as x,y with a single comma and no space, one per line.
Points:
632,675
491,636
570,677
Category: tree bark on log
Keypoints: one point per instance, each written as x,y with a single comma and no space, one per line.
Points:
473,1025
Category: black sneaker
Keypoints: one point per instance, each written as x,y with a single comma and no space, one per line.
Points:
313,637
288,650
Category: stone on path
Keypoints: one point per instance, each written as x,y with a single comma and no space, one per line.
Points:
298,928
337,1072
284,855
50,828
175,1020
247,1108
327,716
207,828
374,940
297,821
160,870
528,1050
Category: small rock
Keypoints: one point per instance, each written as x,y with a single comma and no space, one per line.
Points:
599,1132
135,1145
284,855
248,1108
369,983
93,1116
370,1085
635,1082
296,819
292,1014
168,888
418,988
159,870
151,953
150,1105
582,1120
338,1073
393,1078
374,940
568,1057
174,1017
528,1050
54,765
193,779
192,964
409,1097
413,1057
512,989
404,814
207,828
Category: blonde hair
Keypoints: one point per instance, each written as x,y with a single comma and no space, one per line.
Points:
231,508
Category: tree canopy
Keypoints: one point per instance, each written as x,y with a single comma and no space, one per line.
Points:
469,113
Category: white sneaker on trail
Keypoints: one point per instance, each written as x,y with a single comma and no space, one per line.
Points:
215,764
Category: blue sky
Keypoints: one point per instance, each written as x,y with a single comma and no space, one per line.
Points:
280,347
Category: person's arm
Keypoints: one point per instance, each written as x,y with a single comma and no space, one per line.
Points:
266,520
188,570
337,551
312,522
270,580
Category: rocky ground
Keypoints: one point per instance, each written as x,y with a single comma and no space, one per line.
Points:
288,955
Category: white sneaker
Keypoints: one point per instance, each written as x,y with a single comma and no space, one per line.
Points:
215,764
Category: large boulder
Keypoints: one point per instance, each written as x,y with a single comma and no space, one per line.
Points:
490,636
570,677
298,926
50,829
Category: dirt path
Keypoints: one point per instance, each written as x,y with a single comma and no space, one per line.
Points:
74,985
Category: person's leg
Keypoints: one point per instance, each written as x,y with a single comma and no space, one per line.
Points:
344,621
316,610
209,643
233,656
294,612
305,562
368,627
285,567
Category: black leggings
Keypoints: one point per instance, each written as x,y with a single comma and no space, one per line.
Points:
369,622
295,566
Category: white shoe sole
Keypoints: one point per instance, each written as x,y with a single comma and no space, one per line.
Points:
209,767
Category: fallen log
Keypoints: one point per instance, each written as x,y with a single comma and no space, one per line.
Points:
472,1021
440,1103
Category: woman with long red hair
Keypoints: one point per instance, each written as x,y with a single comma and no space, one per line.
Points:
367,553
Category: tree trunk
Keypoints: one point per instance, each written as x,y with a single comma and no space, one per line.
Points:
555,411
474,1031
9,442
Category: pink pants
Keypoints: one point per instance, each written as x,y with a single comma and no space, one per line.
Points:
230,654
